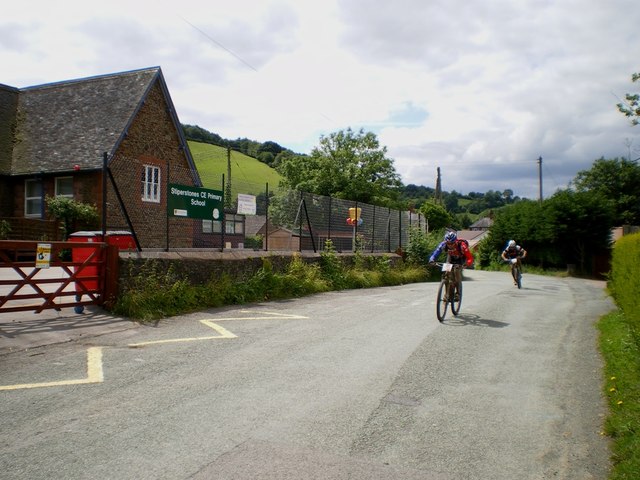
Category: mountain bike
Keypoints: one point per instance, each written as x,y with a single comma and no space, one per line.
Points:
449,291
516,272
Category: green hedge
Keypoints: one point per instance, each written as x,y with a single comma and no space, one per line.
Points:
624,283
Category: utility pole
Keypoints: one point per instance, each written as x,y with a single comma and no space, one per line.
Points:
540,176
438,194
227,199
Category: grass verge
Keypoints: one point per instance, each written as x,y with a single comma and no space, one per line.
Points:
622,388
154,294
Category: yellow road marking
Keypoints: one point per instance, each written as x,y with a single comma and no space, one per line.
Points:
94,354
94,374
255,317
222,333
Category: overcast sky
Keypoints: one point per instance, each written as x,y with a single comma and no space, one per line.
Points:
480,89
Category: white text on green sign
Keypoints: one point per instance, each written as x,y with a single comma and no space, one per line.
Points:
194,202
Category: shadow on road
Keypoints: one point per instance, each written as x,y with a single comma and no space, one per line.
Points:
31,323
470,319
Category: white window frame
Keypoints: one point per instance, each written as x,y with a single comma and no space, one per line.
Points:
151,183
35,200
234,225
57,187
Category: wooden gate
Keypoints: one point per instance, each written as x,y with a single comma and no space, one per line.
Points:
35,276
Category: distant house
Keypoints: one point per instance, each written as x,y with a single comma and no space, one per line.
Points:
473,237
618,232
53,138
481,224
476,232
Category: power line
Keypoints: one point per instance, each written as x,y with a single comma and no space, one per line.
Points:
219,44
208,37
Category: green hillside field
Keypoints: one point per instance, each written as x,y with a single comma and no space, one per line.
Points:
248,175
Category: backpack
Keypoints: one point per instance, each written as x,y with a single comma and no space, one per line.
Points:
466,242
458,247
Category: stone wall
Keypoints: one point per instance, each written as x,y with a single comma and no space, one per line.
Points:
200,267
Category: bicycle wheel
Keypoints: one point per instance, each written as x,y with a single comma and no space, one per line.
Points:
514,274
456,300
518,277
442,301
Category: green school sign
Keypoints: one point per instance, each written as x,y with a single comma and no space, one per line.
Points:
193,202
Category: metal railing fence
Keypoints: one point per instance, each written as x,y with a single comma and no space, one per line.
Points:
285,219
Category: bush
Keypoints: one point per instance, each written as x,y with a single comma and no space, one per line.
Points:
154,295
331,266
421,245
5,229
624,283
488,257
254,242
72,214
619,341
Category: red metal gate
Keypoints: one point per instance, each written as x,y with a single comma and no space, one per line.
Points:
35,276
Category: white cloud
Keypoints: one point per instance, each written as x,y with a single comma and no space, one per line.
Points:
480,90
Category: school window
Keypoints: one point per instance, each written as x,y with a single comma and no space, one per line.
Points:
234,225
151,184
64,187
33,198
209,226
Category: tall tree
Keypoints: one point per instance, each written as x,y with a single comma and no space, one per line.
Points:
568,228
199,134
436,215
345,165
508,196
617,181
631,106
582,226
527,223
451,202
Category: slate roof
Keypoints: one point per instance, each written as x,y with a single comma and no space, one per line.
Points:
58,125
472,236
8,106
253,224
482,224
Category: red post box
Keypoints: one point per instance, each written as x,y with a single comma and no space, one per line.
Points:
122,239
80,254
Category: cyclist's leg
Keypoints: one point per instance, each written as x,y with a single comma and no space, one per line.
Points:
458,276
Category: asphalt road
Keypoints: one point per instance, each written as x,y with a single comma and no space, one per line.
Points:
361,384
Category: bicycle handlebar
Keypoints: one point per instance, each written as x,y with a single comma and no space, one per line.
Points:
453,265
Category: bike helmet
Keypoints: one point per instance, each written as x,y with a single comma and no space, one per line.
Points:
450,237
512,243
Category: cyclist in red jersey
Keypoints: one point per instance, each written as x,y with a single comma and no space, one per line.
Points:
457,250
